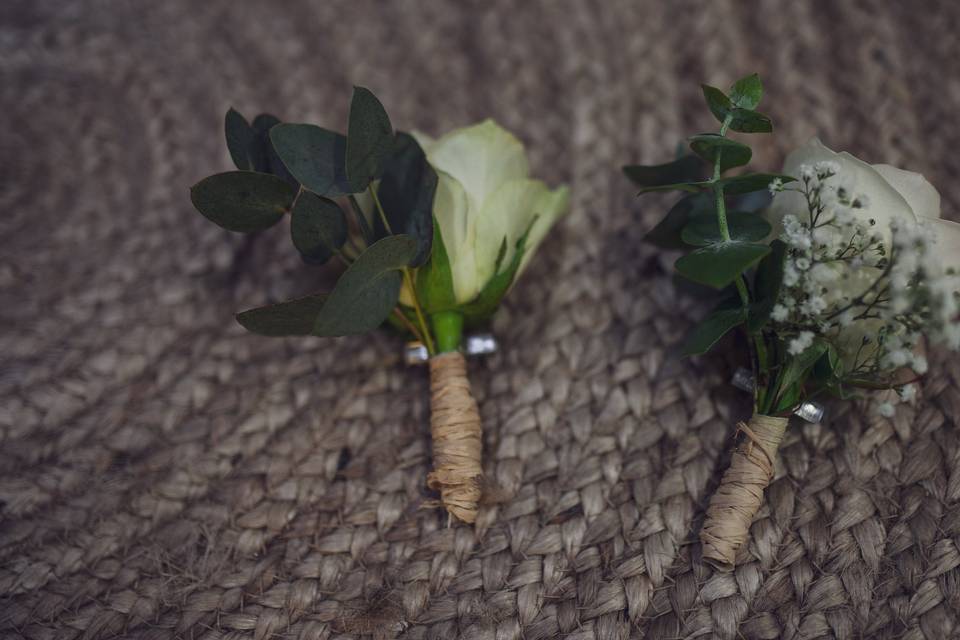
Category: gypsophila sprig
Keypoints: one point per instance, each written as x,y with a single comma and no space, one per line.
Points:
835,285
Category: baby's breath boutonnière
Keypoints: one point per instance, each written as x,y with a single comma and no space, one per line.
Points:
835,283
432,234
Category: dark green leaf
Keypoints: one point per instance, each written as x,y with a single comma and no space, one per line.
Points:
367,292
747,121
291,318
242,201
750,182
369,139
406,192
766,286
828,369
667,233
703,229
707,333
718,265
318,227
435,279
314,156
711,147
486,303
798,366
240,139
718,102
265,158
688,168
746,92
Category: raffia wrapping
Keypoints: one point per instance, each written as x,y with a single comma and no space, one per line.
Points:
455,428
740,493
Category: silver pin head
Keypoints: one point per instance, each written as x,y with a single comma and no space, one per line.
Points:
809,411
475,344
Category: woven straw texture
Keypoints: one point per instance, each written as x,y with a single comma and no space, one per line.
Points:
165,475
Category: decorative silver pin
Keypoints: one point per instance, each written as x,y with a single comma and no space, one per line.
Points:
810,411
475,344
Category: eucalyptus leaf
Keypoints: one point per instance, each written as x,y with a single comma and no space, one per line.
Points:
708,333
747,121
243,201
318,227
667,233
290,318
747,92
368,290
718,265
712,147
435,278
263,154
240,139
406,191
703,229
369,139
718,102
314,156
687,168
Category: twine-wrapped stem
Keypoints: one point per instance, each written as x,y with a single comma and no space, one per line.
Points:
455,428
740,493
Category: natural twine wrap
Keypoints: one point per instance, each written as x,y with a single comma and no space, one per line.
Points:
455,427
740,493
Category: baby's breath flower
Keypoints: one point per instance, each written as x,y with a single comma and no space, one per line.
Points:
776,186
799,344
886,410
908,392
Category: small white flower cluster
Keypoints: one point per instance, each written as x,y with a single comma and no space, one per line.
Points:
873,293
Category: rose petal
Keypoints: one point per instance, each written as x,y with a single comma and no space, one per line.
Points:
922,197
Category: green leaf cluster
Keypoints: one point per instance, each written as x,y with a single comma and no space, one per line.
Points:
314,175
717,224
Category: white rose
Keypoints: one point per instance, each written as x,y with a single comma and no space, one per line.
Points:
891,194
485,195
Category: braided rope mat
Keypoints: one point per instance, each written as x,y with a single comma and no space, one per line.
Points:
164,475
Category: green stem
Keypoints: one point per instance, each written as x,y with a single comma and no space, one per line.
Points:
407,277
448,327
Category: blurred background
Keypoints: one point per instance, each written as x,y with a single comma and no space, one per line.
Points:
163,474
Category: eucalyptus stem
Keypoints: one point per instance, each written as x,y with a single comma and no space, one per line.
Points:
407,277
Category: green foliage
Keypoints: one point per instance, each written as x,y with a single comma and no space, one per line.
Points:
733,111
290,318
314,156
369,139
703,228
746,92
720,264
242,201
687,168
667,234
734,185
300,169
793,375
240,139
710,330
368,291
406,191
318,227
435,280
715,148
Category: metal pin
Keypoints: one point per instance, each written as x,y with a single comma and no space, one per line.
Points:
810,410
476,344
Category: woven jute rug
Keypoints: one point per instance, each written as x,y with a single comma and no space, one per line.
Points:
165,475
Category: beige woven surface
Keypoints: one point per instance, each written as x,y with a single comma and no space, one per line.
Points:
164,475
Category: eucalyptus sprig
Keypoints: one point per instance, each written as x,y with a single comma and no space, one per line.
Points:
831,293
